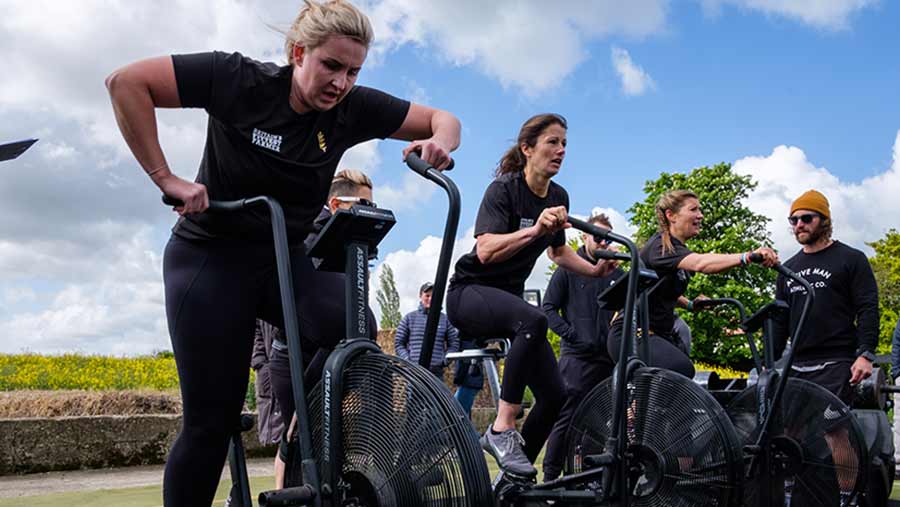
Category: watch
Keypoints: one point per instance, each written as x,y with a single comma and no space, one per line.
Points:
868,355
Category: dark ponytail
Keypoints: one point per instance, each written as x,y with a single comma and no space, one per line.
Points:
514,160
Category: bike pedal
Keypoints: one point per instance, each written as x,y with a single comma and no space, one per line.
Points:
506,487
519,480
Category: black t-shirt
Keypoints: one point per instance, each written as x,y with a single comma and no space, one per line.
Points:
257,145
843,320
509,205
672,283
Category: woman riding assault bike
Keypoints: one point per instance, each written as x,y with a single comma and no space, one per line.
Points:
679,217
273,130
523,213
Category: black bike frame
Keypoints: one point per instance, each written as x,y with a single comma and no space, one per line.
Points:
450,227
291,329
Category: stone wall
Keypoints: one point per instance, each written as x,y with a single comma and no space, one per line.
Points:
73,443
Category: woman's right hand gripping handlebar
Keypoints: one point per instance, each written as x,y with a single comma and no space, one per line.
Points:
552,220
765,256
193,195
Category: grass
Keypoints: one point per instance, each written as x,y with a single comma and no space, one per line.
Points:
146,496
151,496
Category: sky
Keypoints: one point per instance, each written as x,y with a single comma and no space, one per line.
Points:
798,94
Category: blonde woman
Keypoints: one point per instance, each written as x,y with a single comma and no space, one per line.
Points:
273,130
679,219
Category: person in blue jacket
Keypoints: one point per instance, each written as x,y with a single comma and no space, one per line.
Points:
411,332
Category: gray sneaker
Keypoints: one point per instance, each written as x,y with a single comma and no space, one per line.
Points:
506,448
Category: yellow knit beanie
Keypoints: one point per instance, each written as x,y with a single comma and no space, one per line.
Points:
813,201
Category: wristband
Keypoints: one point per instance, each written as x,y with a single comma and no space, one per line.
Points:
744,261
160,168
690,306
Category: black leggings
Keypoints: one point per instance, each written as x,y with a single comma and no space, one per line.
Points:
214,293
479,311
663,351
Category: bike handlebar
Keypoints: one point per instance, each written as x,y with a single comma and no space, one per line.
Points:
611,255
236,205
415,162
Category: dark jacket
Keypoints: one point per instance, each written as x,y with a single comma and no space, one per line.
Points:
411,331
270,423
573,313
318,224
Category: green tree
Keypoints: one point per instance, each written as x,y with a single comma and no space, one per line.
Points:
729,226
886,266
388,298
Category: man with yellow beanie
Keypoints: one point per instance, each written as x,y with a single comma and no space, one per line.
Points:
838,342
837,347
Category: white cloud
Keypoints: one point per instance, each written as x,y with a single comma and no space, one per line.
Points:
362,157
635,80
861,212
15,295
117,309
411,194
827,14
618,221
526,44
414,267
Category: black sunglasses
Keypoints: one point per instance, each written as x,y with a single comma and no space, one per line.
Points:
806,218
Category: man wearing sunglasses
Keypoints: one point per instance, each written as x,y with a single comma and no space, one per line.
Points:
573,313
839,338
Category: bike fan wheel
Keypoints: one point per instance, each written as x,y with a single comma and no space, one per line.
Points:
817,450
406,440
682,448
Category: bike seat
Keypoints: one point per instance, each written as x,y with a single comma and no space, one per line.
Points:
487,352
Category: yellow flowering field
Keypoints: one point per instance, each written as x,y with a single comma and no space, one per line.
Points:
723,371
92,372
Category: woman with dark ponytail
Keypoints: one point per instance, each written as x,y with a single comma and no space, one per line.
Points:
679,217
523,213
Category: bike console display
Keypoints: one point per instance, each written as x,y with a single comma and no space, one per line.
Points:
613,298
359,224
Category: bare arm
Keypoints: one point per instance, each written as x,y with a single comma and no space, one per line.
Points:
492,248
135,91
432,131
711,263
568,259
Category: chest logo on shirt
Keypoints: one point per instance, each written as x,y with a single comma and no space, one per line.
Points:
817,277
525,223
321,137
267,140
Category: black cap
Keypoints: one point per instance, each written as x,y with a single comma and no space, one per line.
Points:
427,286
